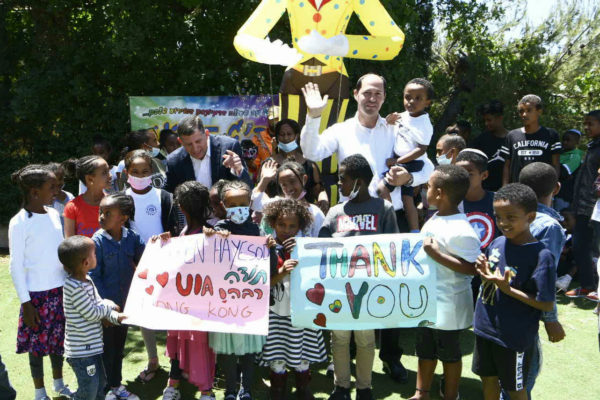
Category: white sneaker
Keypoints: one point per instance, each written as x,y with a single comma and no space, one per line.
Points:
120,393
210,396
170,393
65,392
562,283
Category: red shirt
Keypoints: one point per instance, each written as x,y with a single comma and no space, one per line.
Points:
84,215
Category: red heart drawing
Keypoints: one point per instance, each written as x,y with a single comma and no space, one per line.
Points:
316,294
143,274
321,320
163,279
150,290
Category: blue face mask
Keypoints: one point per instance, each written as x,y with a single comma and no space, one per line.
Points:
288,147
238,215
154,151
444,160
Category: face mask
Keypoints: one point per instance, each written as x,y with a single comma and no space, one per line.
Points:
139,183
354,191
443,160
288,147
238,215
154,151
297,198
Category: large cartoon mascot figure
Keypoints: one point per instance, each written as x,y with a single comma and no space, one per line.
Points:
319,44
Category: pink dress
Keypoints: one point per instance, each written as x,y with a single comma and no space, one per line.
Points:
195,356
193,352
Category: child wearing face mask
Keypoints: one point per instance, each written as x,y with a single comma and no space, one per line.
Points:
143,139
236,350
154,214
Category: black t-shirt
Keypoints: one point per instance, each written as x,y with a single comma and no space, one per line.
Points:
491,145
525,148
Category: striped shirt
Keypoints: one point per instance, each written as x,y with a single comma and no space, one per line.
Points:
84,310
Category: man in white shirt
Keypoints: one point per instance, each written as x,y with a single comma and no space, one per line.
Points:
367,133
204,158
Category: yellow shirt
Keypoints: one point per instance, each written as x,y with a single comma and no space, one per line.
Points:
330,19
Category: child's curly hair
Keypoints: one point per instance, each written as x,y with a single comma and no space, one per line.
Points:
273,210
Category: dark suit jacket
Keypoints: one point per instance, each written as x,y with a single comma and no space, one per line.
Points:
180,168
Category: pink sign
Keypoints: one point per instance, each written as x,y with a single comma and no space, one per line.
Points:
202,283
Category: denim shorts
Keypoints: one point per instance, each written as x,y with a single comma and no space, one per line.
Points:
91,377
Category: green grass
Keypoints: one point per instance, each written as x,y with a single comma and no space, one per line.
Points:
570,371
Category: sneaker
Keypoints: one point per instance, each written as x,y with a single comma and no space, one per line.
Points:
120,393
364,394
340,393
443,386
395,370
208,395
593,296
330,370
243,395
562,283
230,396
171,393
65,392
578,292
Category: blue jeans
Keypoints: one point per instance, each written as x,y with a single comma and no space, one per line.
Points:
7,392
535,365
91,377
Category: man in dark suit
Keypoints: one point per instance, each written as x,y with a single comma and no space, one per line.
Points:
204,158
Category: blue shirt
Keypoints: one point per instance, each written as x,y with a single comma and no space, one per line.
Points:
548,230
116,263
505,320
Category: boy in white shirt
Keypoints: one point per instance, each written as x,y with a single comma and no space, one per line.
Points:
452,243
411,143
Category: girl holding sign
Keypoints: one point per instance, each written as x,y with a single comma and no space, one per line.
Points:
288,346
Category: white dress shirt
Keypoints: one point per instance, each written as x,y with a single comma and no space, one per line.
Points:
202,168
348,138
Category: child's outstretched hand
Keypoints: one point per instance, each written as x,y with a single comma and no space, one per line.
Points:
289,244
483,269
288,266
555,331
271,242
164,238
121,317
208,232
392,118
269,170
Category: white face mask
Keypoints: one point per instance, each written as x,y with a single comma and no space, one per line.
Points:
238,215
444,160
354,191
139,183
302,194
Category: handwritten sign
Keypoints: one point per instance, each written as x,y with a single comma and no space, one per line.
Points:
363,282
202,283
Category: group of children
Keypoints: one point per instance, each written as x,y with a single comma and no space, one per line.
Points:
73,260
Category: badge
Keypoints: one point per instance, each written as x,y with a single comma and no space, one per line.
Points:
91,370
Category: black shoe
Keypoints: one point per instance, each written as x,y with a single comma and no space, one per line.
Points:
340,393
395,370
364,394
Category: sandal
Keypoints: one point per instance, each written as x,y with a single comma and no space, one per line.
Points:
148,374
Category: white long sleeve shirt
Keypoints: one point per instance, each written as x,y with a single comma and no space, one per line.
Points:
348,138
33,240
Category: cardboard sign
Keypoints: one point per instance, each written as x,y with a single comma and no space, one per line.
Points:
363,282
202,283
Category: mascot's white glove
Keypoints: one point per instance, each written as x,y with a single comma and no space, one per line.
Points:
315,43
267,52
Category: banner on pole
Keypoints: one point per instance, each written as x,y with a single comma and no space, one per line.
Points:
202,283
240,117
363,282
